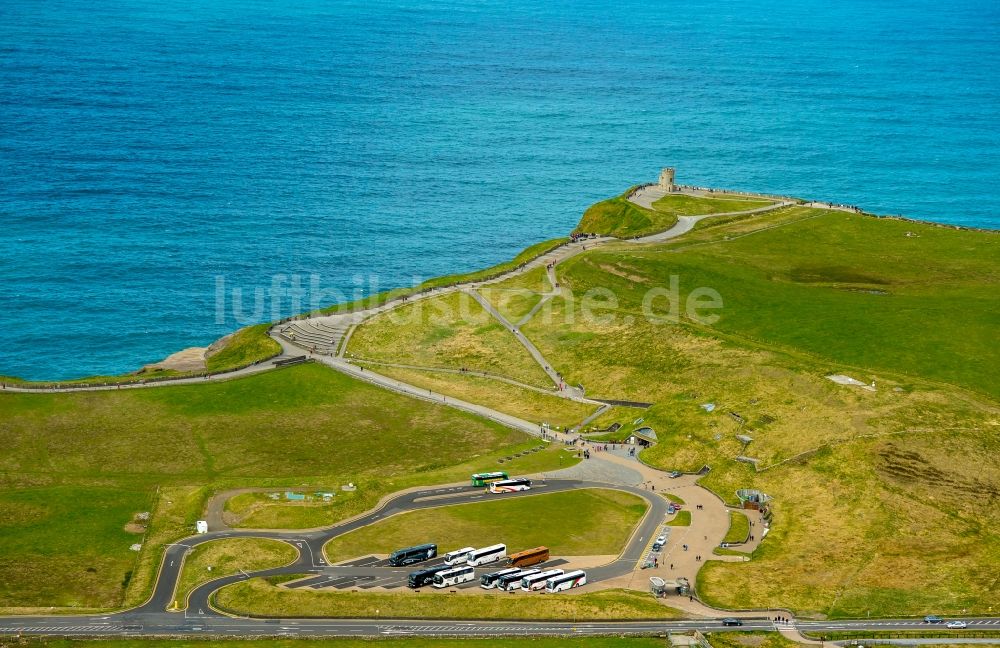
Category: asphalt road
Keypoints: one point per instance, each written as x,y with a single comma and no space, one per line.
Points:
199,619
135,623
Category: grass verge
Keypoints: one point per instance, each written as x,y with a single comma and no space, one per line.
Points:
680,519
521,402
226,557
739,528
256,597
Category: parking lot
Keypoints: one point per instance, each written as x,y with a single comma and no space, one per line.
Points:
370,572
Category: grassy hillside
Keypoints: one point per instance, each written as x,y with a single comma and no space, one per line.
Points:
515,297
248,345
78,466
809,292
453,331
618,217
878,496
602,521
841,288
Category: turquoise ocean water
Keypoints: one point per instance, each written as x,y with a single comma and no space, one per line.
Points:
153,151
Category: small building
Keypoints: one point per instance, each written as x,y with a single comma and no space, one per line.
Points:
643,437
660,587
201,526
294,497
753,499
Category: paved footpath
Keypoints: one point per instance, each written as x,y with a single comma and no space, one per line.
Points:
709,525
520,337
646,196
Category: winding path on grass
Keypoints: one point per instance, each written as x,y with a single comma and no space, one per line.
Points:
646,196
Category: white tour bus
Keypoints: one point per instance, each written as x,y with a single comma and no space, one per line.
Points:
510,485
489,581
486,555
537,581
566,581
455,576
458,556
513,581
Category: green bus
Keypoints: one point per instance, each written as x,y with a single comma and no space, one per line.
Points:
485,479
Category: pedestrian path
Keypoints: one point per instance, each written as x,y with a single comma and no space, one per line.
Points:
525,342
646,196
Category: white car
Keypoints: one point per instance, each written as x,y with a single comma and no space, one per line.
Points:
957,625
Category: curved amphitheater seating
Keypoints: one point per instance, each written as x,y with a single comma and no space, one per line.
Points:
320,334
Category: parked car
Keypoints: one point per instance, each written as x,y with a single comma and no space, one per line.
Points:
957,625
933,618
732,621
674,474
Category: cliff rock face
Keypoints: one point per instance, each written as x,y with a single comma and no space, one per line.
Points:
189,359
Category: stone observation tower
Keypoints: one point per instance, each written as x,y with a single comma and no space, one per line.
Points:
667,179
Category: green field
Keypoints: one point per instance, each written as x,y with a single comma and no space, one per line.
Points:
258,511
515,297
453,331
618,217
228,556
77,467
257,597
600,520
526,404
680,519
838,288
